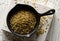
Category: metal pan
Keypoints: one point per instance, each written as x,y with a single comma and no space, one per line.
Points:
19,7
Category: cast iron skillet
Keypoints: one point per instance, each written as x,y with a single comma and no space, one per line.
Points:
19,7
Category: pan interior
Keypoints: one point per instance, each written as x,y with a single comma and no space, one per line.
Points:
17,9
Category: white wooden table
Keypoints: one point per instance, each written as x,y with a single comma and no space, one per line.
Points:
54,32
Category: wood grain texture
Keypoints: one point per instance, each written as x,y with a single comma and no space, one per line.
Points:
54,32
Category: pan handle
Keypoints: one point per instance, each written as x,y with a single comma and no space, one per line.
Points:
50,12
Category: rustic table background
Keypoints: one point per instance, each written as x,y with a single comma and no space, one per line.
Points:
54,32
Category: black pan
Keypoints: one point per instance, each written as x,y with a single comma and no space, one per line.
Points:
19,7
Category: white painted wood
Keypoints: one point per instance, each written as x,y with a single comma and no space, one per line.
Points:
54,32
